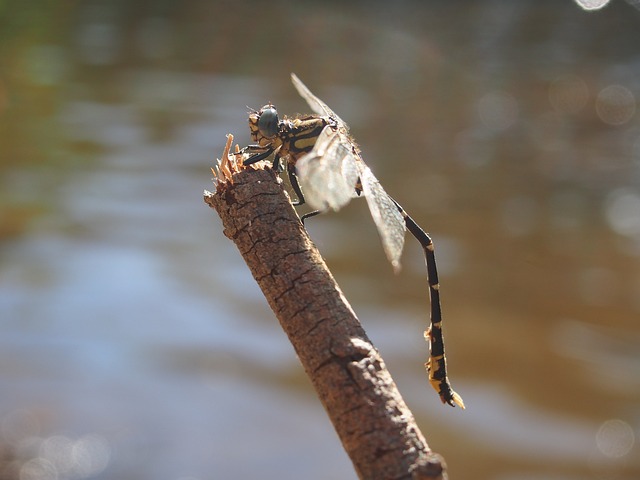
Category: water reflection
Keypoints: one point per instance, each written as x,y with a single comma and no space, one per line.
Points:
134,342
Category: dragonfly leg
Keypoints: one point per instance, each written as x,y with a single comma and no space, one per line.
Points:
309,215
437,363
277,164
298,191
261,153
296,188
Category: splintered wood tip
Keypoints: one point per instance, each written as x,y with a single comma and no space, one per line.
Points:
231,163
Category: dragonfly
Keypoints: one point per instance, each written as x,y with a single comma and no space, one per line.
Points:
326,170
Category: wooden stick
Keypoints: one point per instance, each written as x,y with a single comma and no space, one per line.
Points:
375,426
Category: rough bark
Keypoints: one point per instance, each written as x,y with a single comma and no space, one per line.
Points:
375,426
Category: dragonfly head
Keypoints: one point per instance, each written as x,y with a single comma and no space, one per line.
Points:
264,125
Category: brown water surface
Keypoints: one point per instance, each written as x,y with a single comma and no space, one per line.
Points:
133,341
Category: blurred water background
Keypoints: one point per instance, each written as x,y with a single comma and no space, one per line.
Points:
133,341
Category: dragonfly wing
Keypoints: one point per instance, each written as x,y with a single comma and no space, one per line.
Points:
317,105
328,174
385,214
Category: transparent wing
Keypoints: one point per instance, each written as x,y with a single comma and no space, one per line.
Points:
386,216
328,174
317,105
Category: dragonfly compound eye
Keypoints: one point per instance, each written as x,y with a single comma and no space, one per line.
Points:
268,121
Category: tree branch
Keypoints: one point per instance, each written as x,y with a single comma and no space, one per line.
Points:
375,426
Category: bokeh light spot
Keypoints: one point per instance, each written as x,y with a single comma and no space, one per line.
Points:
615,438
622,210
615,105
91,455
38,469
56,449
592,4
